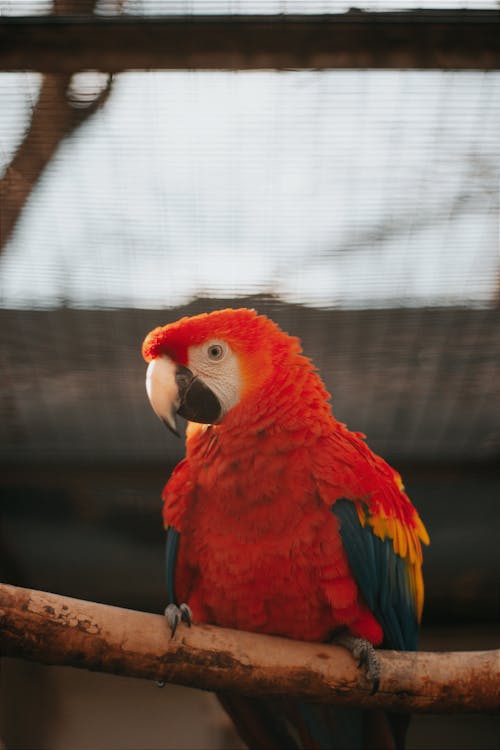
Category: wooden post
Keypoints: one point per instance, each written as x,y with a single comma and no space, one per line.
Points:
58,630
440,39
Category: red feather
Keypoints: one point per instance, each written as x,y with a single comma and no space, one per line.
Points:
259,546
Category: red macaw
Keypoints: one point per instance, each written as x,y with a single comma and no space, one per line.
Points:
280,520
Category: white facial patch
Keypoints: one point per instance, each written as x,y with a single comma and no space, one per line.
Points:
221,375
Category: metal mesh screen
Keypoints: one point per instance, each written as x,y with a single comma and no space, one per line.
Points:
200,7
358,208
355,189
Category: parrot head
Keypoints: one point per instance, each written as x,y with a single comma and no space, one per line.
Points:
204,367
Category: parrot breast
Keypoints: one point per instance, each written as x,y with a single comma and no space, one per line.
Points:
259,548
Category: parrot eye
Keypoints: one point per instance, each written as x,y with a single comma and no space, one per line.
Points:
215,352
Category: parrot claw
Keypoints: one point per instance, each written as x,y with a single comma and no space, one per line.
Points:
365,655
176,614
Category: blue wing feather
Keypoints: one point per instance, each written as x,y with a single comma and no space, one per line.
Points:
382,576
172,545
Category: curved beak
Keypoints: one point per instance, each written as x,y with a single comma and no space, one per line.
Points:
173,389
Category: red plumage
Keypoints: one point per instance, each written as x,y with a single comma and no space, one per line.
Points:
260,548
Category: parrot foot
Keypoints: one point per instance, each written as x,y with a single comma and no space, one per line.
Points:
365,655
176,614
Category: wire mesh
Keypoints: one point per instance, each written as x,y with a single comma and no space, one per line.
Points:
358,189
359,208
232,7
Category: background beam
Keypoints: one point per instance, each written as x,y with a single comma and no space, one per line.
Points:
415,39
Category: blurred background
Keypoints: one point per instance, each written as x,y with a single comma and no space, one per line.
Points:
359,208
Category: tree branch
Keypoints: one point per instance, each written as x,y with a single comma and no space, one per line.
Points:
57,630
55,115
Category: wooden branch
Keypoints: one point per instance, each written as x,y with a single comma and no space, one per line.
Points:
455,39
57,630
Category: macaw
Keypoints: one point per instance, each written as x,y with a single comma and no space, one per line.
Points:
279,519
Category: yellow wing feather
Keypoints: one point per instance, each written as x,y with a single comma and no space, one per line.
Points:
407,542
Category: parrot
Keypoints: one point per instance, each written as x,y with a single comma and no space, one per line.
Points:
280,520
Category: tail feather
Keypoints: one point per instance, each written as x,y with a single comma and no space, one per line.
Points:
260,723
280,724
399,727
331,728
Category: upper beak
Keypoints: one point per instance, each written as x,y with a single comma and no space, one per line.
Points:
163,392
173,389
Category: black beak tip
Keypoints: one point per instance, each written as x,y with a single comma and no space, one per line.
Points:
172,429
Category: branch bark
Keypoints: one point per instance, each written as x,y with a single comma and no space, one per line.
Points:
54,629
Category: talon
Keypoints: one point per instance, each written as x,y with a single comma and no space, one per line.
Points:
366,656
376,685
186,614
175,615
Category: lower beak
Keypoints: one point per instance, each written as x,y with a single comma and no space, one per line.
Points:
173,389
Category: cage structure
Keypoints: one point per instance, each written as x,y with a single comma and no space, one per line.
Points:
337,172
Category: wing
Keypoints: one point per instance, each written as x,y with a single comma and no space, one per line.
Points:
385,557
175,498
380,530
171,547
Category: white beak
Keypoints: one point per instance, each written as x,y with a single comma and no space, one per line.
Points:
162,390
